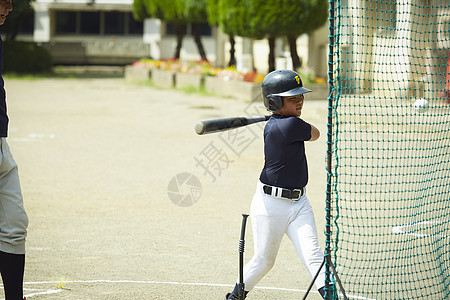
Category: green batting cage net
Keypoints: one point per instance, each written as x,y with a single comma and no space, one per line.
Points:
388,191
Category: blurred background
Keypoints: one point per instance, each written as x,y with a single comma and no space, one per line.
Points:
257,36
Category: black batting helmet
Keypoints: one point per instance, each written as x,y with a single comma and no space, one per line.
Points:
278,84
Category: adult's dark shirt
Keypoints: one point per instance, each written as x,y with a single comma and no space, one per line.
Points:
284,152
3,115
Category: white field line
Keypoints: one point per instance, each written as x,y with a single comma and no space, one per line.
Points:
54,291
401,230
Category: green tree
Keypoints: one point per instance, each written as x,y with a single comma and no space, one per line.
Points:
166,12
265,21
312,15
290,19
212,9
242,18
179,13
140,12
233,17
270,19
194,12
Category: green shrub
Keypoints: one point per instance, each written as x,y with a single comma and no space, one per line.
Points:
25,58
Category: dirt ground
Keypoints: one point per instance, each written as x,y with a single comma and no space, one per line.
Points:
99,161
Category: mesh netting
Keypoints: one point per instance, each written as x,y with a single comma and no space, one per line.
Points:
389,163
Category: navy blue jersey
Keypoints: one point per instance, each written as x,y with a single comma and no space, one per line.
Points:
3,115
284,151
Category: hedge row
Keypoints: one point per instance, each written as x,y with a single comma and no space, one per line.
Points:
25,58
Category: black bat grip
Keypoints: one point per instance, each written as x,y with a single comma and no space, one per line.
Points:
241,246
242,239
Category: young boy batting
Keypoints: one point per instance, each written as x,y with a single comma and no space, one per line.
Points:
280,205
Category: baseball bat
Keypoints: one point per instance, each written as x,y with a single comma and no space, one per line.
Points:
241,285
216,125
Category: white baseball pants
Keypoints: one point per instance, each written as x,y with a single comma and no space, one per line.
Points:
13,218
272,218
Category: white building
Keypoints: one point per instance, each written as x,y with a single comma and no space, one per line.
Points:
104,32
395,47
83,32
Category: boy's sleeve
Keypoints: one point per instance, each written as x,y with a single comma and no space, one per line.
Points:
297,130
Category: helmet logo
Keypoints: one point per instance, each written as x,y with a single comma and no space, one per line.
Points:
298,79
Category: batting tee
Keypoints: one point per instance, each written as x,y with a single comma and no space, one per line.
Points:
388,189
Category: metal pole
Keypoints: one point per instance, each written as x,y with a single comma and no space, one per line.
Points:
329,148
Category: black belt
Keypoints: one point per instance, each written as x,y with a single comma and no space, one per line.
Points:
285,193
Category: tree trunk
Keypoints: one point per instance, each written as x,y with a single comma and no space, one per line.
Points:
198,41
271,53
296,62
180,30
232,61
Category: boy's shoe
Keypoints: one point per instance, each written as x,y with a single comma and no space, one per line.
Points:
231,296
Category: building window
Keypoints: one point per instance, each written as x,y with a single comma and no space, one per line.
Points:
66,22
89,22
134,27
114,23
203,28
96,23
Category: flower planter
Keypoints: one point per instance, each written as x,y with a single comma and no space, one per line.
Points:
162,78
248,91
242,90
184,80
137,73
